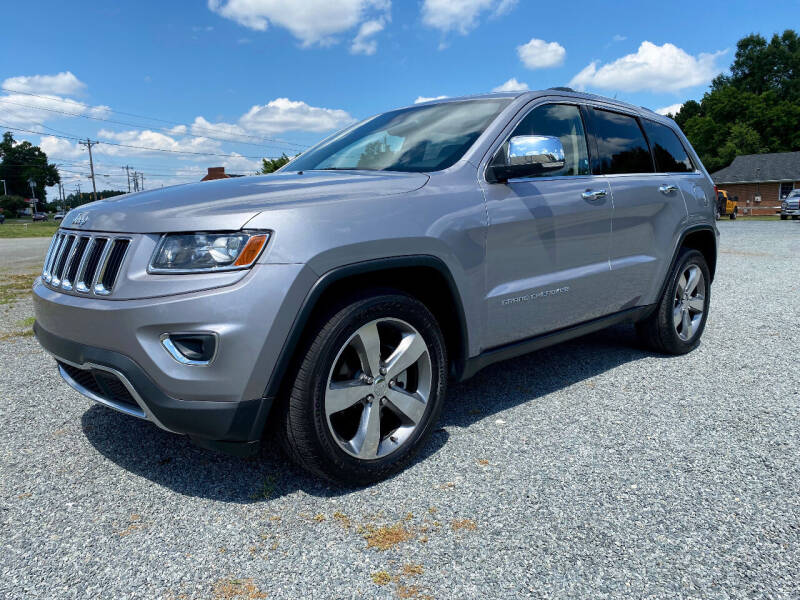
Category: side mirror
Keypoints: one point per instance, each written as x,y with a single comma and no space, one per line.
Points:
529,155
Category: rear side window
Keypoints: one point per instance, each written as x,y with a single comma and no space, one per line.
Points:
621,145
670,155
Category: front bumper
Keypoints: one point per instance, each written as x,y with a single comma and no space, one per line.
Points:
111,350
98,374
790,212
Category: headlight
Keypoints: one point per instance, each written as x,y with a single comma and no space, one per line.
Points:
198,252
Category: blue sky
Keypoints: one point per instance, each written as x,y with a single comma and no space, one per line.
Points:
233,80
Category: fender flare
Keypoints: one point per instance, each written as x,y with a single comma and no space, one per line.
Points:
303,316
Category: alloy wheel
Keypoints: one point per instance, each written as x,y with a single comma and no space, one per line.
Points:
378,388
689,302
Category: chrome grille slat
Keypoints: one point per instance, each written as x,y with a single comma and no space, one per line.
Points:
101,267
63,252
87,252
53,255
84,262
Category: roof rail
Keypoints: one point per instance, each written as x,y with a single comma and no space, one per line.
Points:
562,89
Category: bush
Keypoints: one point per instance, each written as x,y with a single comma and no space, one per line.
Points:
12,204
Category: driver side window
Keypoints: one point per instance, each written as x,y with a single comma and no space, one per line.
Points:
558,120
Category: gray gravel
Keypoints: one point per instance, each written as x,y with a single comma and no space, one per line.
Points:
587,470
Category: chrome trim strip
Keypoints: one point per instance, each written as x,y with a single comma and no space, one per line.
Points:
123,408
99,288
145,412
169,346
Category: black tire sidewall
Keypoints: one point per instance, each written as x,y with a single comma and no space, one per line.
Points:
335,462
668,333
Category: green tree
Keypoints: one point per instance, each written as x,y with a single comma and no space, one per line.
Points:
270,165
22,162
753,109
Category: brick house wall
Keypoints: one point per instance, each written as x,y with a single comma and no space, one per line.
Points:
746,192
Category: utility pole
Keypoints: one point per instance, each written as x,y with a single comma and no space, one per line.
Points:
142,174
88,143
128,173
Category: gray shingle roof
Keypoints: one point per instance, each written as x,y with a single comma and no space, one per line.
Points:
779,166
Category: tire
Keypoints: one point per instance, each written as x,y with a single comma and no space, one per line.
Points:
335,367
660,331
784,217
733,216
794,217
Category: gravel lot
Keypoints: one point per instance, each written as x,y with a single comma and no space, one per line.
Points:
589,470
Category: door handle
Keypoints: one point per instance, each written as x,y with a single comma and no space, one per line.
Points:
593,194
668,189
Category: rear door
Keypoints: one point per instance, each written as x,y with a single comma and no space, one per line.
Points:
648,207
547,246
672,159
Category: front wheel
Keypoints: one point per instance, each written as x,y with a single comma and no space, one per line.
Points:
368,390
784,217
680,316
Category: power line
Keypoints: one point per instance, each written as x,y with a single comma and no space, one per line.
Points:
76,138
145,127
119,112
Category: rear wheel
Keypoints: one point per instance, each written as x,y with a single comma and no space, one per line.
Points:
368,391
678,322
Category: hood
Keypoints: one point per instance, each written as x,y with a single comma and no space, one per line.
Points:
228,204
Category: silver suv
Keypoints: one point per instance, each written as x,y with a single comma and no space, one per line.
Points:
329,303
790,207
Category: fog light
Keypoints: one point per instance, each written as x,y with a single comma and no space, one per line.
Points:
196,349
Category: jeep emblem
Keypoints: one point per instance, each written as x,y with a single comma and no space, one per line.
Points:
80,219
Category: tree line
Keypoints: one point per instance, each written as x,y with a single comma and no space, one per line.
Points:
752,110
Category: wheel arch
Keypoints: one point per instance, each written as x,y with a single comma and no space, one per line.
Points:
702,238
425,277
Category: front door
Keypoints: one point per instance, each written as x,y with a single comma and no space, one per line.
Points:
547,252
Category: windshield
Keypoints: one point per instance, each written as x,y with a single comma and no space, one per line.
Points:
416,139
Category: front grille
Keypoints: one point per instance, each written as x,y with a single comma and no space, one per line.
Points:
84,263
101,383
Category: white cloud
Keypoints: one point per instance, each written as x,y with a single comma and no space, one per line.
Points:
283,114
310,21
652,67
672,109
61,84
619,38
538,54
512,85
364,43
30,111
59,148
461,15
421,99
150,140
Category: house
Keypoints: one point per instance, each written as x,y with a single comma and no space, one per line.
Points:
759,182
215,173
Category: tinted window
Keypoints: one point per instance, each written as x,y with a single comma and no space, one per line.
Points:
668,151
421,138
621,146
564,122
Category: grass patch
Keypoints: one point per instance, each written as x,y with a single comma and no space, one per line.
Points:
231,589
465,524
14,287
23,228
386,537
381,578
266,491
26,322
